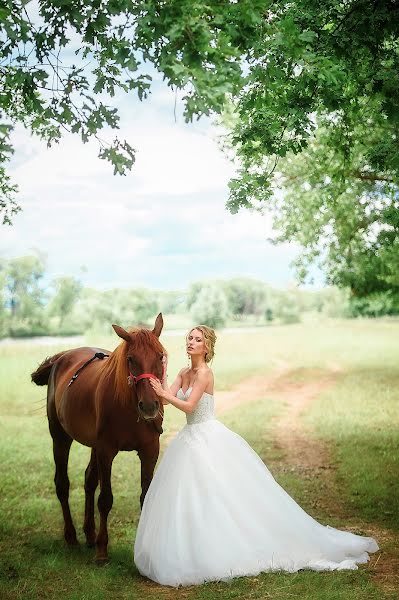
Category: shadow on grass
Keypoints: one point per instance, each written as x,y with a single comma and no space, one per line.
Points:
368,472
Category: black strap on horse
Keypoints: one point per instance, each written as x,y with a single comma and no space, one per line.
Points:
99,355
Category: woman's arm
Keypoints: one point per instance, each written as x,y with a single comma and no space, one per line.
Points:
176,385
188,405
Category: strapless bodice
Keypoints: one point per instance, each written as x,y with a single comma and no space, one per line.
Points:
204,411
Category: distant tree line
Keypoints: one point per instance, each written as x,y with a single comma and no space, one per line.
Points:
29,305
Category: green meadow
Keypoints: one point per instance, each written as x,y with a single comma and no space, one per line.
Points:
357,418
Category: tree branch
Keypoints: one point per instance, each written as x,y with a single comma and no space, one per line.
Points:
365,176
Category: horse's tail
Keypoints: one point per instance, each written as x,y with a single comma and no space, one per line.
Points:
42,373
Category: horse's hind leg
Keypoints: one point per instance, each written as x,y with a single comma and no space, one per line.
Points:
91,482
61,446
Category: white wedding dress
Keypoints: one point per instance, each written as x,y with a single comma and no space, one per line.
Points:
214,511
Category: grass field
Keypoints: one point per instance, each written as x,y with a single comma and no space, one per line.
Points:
357,418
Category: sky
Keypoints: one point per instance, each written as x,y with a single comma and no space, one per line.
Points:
162,226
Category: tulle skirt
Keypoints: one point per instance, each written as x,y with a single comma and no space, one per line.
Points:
214,511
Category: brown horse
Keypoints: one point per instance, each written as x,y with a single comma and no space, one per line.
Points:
106,408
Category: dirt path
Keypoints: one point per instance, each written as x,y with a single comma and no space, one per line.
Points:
311,459
253,388
297,391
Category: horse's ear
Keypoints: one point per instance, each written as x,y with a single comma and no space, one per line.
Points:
122,333
158,325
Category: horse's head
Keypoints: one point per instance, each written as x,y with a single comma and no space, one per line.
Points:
143,356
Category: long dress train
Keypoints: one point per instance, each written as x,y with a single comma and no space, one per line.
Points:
214,511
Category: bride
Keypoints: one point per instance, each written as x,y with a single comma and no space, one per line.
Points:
214,511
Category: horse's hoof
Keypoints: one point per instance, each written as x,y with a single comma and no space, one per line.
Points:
71,540
101,561
90,540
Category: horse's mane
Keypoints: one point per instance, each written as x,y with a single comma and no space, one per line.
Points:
116,368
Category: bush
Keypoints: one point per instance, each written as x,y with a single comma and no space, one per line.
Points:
378,304
24,330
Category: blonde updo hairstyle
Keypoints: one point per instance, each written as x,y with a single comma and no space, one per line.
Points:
209,340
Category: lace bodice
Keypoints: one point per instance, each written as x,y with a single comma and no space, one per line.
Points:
204,409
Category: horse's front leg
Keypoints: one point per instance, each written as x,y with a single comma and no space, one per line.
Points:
91,482
105,456
148,455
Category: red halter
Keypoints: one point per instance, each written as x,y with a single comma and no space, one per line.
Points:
133,379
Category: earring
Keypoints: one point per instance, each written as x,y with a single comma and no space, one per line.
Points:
188,360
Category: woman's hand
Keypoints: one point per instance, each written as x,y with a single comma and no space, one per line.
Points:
165,370
157,387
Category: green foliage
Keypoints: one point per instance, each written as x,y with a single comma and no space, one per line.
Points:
246,296
66,308
68,290
333,302
58,68
321,106
319,100
8,205
170,302
374,305
96,310
336,60
287,309
210,306
23,296
340,214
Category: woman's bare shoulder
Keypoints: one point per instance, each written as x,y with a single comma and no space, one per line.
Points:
206,369
205,373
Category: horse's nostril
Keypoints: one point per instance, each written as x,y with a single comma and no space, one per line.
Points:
141,404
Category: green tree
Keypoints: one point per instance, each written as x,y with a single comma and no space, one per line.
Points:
193,292
25,298
210,306
67,292
3,311
320,109
60,67
135,306
319,77
287,306
170,301
377,304
336,61
340,214
98,310
246,296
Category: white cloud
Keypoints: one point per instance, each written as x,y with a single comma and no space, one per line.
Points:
162,225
